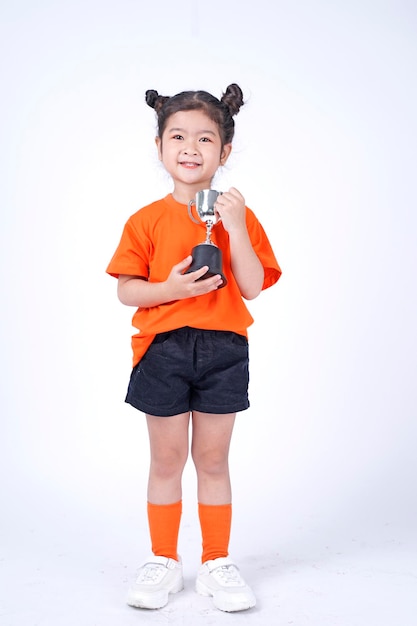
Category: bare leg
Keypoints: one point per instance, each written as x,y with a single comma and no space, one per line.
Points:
168,438
210,451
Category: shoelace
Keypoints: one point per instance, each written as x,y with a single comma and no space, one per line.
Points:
150,573
229,575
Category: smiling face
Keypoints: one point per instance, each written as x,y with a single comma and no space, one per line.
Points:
191,151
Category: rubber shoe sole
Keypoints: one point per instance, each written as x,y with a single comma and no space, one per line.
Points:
226,601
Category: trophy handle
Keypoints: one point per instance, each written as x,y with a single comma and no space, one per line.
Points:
190,212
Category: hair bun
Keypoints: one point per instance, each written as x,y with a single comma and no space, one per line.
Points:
233,98
154,100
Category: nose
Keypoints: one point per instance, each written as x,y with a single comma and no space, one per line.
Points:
190,146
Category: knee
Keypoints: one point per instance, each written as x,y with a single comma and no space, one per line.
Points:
168,464
211,462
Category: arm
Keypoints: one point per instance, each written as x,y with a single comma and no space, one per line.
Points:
246,267
138,292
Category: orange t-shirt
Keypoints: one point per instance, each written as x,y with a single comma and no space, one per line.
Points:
161,235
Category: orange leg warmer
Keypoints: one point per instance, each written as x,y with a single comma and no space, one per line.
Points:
164,524
215,521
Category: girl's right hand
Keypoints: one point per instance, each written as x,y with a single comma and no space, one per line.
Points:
182,286
137,291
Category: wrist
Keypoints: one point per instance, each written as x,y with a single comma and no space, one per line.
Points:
238,232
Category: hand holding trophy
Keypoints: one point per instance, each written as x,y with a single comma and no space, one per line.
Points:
206,253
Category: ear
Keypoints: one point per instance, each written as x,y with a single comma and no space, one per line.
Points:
227,148
158,142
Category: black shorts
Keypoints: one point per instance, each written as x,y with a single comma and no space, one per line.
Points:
192,370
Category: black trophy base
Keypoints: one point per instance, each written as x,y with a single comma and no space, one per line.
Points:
207,254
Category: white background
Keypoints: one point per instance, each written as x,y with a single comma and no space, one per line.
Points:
323,463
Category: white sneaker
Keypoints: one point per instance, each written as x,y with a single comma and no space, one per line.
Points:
156,579
221,579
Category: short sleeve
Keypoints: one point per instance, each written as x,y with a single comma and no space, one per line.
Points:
132,254
263,249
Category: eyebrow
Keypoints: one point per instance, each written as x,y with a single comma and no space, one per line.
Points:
176,130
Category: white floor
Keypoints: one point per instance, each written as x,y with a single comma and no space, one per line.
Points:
66,563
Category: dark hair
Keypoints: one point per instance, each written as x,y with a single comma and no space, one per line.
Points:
220,111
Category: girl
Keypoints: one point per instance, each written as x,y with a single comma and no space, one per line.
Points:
190,355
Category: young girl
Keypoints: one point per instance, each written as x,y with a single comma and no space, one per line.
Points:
190,355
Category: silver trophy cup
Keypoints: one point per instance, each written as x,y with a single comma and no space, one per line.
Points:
206,253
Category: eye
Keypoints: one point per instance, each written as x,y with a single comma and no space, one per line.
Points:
205,139
178,137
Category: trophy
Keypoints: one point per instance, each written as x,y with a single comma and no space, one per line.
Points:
206,253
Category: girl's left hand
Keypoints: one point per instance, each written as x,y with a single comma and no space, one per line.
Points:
230,206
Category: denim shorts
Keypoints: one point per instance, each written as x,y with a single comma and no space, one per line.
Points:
189,369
